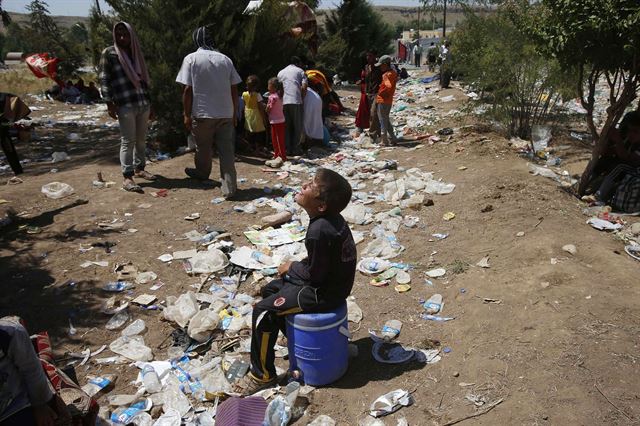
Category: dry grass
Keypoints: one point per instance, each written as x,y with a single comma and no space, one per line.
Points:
21,81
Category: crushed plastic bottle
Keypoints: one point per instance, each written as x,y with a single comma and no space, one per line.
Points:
391,330
136,327
118,320
116,286
124,416
96,384
207,238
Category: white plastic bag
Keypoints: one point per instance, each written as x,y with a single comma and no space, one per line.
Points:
394,191
57,190
207,262
131,347
202,324
182,309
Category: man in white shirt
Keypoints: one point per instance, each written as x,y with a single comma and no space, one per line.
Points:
294,81
313,126
210,100
417,54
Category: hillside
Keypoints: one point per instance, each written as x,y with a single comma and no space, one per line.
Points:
62,21
393,14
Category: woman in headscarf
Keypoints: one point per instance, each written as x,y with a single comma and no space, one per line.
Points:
124,81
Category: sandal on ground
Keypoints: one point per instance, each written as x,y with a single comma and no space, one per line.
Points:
249,385
146,175
132,187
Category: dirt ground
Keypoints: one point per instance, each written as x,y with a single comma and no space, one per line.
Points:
560,347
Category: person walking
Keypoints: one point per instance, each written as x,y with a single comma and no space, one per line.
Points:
417,54
432,56
372,80
294,81
124,82
210,103
384,100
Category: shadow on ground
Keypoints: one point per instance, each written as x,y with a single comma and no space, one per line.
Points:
28,290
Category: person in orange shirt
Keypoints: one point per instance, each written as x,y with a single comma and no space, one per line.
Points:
384,100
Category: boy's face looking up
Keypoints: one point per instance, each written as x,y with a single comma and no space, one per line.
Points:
309,199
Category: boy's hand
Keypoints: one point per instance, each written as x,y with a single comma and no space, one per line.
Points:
284,268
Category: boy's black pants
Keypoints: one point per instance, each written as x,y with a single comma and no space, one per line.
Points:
280,298
9,149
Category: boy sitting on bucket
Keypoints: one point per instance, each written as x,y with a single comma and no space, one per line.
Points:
319,283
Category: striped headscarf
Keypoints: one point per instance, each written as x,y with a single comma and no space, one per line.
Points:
202,38
134,66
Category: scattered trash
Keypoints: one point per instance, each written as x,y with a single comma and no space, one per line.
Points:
146,277
448,216
390,403
192,216
434,304
431,317
571,249
57,157
633,251
484,262
165,258
373,265
436,273
604,225
57,190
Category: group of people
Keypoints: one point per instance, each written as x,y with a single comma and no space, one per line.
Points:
293,111
320,282
212,107
78,93
377,82
432,54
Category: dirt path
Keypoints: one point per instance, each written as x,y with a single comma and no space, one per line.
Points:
559,345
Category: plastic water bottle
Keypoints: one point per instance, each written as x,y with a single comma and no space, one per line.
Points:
207,238
116,286
150,379
97,384
261,257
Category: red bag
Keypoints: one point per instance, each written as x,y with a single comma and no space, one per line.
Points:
41,65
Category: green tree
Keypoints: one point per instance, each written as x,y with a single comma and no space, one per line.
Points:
600,41
44,35
4,16
349,31
499,59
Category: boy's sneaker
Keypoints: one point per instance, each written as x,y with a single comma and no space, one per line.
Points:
276,163
249,385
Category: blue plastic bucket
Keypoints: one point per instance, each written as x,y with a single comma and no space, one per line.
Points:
319,345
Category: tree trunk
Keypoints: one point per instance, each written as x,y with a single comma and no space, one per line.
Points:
614,113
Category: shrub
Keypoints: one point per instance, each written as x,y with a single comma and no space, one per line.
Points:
520,85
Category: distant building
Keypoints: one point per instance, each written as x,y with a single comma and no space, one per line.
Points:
14,58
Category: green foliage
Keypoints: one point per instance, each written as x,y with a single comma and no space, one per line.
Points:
350,30
258,44
600,41
100,27
521,85
43,35
4,16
